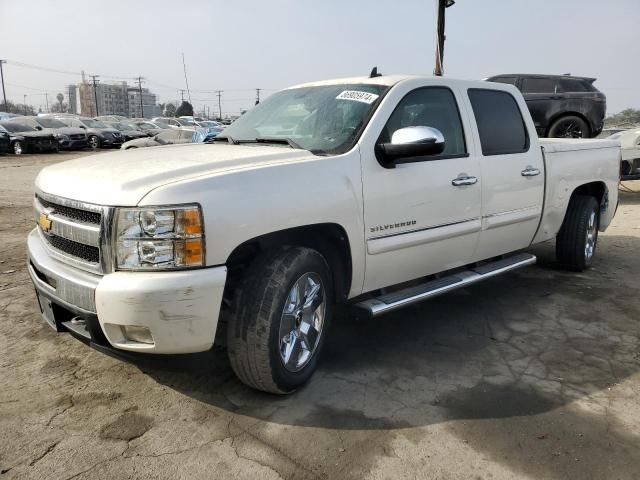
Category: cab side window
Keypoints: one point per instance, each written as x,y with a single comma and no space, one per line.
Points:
500,124
434,107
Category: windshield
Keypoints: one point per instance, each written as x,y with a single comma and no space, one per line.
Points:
93,123
325,119
50,123
185,122
17,127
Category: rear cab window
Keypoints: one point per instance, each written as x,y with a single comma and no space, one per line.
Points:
500,124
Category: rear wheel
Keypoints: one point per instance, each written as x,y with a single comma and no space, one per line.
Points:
280,318
94,142
578,238
18,148
570,126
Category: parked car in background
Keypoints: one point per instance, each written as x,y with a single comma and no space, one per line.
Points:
7,116
148,127
26,139
128,131
562,106
5,143
99,135
69,138
166,137
111,118
176,122
607,132
191,117
630,163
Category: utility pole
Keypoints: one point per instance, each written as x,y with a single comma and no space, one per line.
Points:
182,94
46,97
186,81
258,95
95,91
140,90
4,95
24,103
440,36
220,103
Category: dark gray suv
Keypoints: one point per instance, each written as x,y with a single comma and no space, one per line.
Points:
561,105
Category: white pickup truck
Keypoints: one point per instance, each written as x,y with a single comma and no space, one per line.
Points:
375,191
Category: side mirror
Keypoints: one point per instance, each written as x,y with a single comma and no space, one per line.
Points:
38,127
410,142
83,127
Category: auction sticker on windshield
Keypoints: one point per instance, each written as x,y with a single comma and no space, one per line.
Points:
358,96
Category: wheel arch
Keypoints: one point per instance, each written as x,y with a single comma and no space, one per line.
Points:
553,119
330,239
597,189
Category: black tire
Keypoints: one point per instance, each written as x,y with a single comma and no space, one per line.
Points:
569,126
572,240
18,148
253,334
94,142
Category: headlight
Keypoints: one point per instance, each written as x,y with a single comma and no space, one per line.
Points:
159,238
62,136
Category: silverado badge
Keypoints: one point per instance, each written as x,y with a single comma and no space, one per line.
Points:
44,222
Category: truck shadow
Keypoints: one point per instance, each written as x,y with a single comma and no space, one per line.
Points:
522,350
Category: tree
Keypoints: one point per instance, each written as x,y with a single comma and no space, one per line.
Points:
59,108
18,108
186,109
629,116
170,110
60,98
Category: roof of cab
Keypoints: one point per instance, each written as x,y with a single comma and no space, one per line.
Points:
386,80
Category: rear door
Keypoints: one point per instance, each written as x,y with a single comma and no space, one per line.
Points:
544,97
512,172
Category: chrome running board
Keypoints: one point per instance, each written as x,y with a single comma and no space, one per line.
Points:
392,301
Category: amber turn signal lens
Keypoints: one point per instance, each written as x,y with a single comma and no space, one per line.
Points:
191,222
193,252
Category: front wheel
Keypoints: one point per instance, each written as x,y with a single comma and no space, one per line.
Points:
578,237
569,127
280,319
94,142
18,148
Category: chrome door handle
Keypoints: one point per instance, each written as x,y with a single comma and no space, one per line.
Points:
463,179
530,171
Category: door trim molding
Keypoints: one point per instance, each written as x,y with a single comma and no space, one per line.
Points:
412,238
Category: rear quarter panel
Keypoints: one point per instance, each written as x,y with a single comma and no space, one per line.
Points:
570,164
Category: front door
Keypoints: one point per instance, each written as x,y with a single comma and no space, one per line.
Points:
417,222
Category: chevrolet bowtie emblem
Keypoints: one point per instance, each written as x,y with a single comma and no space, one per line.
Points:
44,222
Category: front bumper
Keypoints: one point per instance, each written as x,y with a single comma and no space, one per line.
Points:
73,144
179,308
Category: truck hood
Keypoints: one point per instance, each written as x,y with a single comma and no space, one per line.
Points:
124,177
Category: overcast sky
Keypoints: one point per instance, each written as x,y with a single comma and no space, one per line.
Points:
237,46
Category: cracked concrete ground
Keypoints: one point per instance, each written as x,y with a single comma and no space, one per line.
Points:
531,375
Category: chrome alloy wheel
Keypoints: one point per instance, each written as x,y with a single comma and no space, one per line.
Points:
301,322
592,237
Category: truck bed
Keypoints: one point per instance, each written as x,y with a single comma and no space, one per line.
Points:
573,162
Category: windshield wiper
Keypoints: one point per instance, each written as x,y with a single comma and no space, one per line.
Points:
280,140
225,138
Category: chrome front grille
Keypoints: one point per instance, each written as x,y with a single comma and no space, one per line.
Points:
74,232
